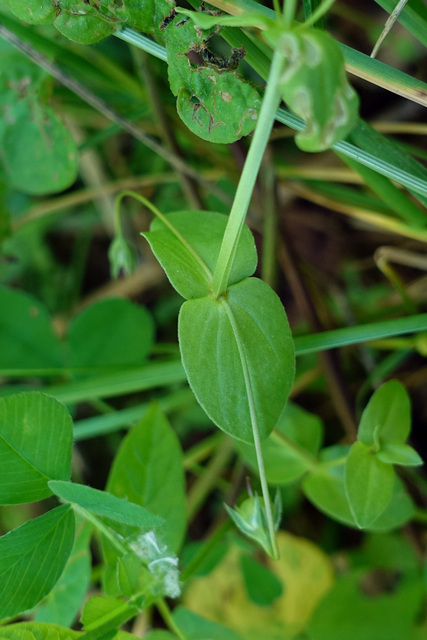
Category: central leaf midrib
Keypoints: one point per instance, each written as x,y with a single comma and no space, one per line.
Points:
244,364
24,459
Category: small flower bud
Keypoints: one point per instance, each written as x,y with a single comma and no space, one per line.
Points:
122,257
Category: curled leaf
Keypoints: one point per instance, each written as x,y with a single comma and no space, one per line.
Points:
315,87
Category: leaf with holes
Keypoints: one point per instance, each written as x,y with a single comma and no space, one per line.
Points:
212,99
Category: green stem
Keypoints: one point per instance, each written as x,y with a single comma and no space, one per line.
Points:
207,480
289,13
167,617
105,531
163,218
270,226
247,181
201,450
305,456
212,541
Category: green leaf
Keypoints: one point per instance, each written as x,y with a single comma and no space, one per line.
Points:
160,635
369,484
401,454
27,339
399,511
188,250
36,434
102,615
37,631
325,488
32,11
32,558
212,99
387,416
288,449
148,471
195,627
64,601
379,147
349,611
241,366
87,21
39,153
146,16
106,505
398,201
82,21
315,87
262,585
110,333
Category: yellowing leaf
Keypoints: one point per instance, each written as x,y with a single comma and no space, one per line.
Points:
305,572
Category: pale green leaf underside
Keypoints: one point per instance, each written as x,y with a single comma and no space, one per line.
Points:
106,505
241,366
32,558
35,446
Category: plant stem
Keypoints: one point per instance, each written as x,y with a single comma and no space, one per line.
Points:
305,456
167,617
197,561
266,495
243,195
270,224
164,219
289,12
105,531
204,485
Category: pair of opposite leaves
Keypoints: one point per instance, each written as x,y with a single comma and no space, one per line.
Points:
237,349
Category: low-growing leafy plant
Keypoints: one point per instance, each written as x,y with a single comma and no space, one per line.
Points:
237,351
